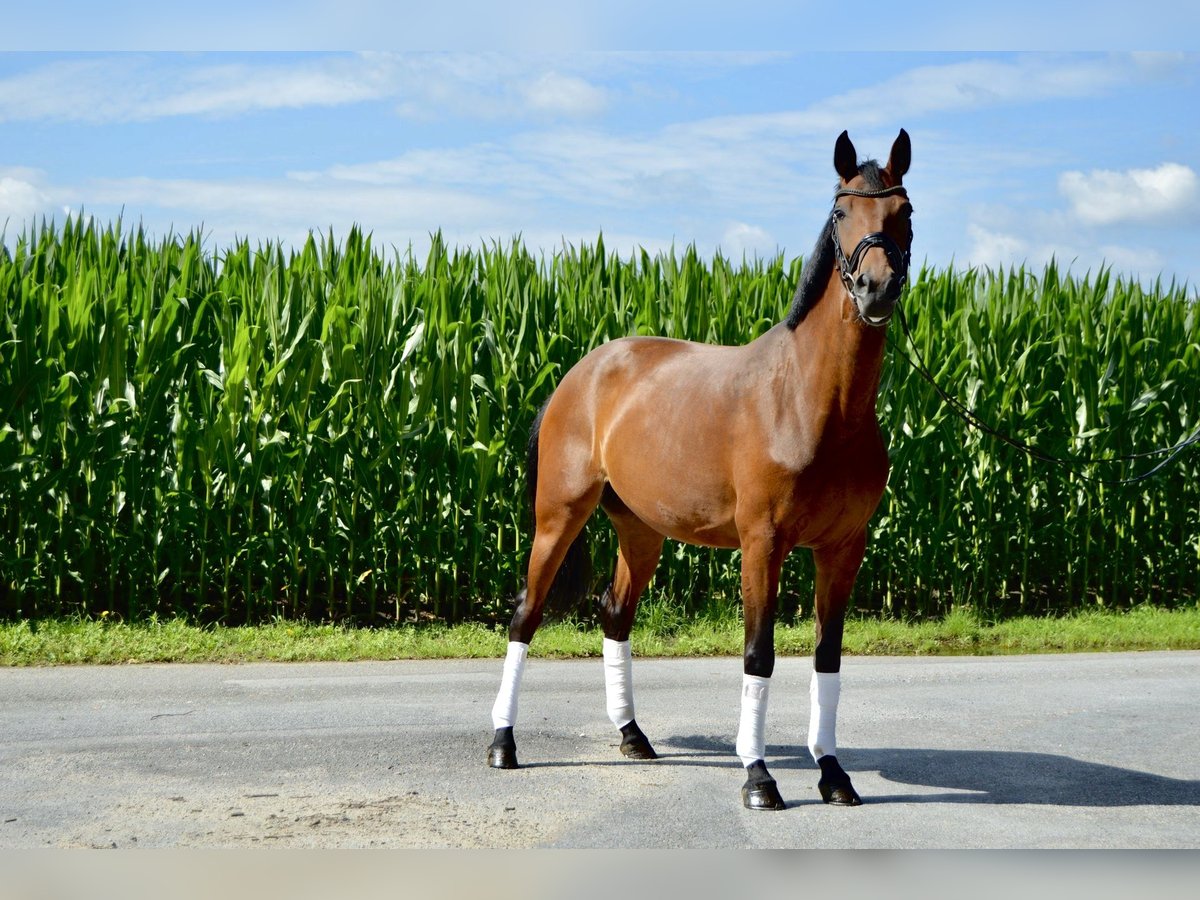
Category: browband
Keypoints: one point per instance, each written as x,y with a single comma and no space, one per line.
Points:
882,192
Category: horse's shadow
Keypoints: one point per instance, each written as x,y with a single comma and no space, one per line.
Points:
971,776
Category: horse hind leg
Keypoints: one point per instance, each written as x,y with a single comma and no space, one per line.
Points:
640,549
558,537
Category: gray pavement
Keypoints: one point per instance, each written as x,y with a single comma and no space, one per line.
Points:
1036,751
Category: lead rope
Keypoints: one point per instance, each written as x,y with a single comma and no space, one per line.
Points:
974,421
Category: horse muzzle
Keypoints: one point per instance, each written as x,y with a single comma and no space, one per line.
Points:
875,298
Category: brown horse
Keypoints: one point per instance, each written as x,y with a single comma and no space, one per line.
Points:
762,447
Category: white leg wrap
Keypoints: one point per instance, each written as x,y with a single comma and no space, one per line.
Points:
618,681
504,711
823,691
751,743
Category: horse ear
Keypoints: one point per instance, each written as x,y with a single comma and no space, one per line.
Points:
900,157
845,157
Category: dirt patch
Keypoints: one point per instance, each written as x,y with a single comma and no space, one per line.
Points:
409,820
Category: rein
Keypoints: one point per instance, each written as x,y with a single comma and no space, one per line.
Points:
899,261
974,421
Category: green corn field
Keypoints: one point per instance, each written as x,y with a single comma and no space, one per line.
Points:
336,432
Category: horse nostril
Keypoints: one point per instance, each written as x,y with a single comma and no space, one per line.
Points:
867,285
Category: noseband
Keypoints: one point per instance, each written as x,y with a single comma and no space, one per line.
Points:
897,258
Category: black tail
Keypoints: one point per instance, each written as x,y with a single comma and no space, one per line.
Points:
573,583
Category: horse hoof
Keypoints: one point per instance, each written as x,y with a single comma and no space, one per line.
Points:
636,745
502,758
760,791
638,748
762,797
502,754
840,795
835,786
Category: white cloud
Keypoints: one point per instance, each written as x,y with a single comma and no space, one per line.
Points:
1043,238
134,88
925,90
487,86
266,210
564,94
64,90
1132,259
972,85
1160,62
672,168
994,249
141,88
19,199
482,165
1103,197
22,198
231,89
501,86
743,239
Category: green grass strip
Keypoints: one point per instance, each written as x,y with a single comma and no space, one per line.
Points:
78,641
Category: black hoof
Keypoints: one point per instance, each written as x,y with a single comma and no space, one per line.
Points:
634,744
835,786
502,754
759,791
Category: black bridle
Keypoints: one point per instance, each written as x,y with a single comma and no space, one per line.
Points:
897,258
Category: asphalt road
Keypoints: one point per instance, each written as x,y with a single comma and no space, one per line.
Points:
1035,751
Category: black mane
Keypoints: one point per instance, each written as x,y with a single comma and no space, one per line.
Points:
818,266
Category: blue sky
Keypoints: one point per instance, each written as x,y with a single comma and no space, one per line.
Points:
1088,156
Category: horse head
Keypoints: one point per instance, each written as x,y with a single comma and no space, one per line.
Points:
871,213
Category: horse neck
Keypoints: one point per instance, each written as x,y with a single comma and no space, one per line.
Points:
842,360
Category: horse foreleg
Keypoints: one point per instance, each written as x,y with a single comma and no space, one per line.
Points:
761,563
640,549
836,571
